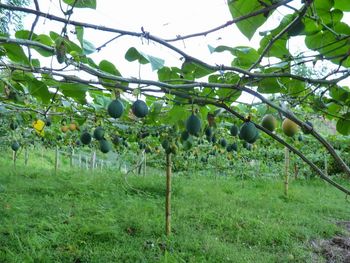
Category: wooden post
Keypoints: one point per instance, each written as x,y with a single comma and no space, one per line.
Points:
93,160
325,165
144,163
296,171
80,160
14,158
86,163
56,159
168,196
26,156
286,171
42,154
71,157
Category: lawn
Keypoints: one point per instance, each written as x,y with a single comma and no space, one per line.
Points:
79,216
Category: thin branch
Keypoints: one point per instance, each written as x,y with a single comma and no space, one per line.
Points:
32,29
106,43
26,42
231,22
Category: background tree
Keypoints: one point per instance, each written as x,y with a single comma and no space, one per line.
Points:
12,20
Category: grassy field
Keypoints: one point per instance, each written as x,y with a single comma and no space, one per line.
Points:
78,216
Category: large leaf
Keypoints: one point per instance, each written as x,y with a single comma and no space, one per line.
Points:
133,54
71,46
38,89
193,70
43,39
82,3
87,46
343,5
245,56
326,43
343,124
177,114
15,53
240,8
79,30
109,67
75,91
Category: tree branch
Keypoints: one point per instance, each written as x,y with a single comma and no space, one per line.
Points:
231,22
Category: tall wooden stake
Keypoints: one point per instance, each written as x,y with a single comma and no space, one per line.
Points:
14,158
42,155
71,157
144,163
26,156
325,165
56,159
93,160
80,160
168,196
286,171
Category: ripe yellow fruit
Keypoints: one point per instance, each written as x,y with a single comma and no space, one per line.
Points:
64,128
289,127
72,127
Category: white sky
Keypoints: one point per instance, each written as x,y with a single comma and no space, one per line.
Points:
162,18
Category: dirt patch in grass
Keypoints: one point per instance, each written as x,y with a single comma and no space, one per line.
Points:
335,249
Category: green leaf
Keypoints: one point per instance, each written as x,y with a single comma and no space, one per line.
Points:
327,44
294,87
133,54
156,63
43,39
269,86
166,74
75,91
245,56
343,5
279,48
330,17
339,93
15,53
88,47
311,26
82,3
323,4
333,108
193,70
79,30
240,8
109,67
38,90
24,34
343,125
70,46
176,114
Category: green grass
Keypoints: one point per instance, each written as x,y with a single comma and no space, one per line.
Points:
77,217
